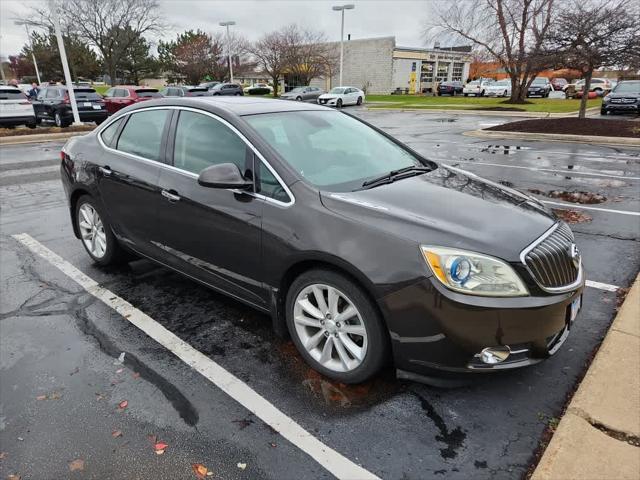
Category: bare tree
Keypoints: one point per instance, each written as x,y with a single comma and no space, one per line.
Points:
512,31
271,55
596,35
103,23
308,54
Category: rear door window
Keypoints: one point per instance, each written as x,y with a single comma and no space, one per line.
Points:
142,135
86,94
11,94
52,93
108,135
150,92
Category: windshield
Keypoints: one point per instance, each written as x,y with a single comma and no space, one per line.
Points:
297,89
331,150
150,92
628,87
86,94
11,94
337,90
474,83
502,83
539,81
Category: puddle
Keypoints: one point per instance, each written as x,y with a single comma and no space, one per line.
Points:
453,438
334,394
572,216
573,197
504,149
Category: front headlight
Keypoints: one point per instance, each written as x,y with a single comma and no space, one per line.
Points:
473,273
606,99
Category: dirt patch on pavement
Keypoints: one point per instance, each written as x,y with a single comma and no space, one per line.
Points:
572,216
573,197
573,126
14,132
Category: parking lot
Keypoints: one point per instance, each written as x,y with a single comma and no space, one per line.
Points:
62,340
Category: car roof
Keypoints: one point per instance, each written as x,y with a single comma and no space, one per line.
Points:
233,105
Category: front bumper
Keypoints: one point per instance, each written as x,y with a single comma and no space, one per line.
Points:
621,107
434,329
86,115
327,101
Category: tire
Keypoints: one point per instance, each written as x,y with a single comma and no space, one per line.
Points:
482,93
32,125
504,94
373,344
298,99
98,122
38,121
603,112
237,94
359,101
112,252
466,94
339,103
598,91
59,121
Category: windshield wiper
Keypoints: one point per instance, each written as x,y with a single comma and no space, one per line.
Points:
394,175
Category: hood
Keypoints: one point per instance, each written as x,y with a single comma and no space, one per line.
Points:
451,208
623,95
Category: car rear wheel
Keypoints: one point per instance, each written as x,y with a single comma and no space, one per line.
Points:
339,103
466,94
95,233
298,99
335,326
359,101
59,121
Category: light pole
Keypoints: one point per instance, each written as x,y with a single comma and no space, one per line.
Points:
341,9
228,24
65,65
33,55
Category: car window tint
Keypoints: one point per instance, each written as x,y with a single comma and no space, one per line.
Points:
11,94
269,186
52,93
142,134
202,141
86,94
109,93
108,135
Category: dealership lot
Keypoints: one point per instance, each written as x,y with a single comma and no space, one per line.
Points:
62,342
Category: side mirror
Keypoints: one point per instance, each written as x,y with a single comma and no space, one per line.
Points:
224,175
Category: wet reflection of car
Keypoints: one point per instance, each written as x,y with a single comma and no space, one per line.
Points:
359,248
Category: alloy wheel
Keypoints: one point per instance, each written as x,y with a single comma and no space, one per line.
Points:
58,120
92,230
330,327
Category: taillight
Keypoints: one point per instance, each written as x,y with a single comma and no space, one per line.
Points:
62,155
66,98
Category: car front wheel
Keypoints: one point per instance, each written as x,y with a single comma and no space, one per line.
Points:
339,103
335,326
359,101
59,121
95,233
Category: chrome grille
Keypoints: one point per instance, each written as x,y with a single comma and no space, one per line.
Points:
550,260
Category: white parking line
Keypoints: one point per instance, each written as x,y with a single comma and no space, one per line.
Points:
328,458
584,207
554,170
601,286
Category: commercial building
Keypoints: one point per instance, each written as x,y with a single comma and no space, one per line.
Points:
378,66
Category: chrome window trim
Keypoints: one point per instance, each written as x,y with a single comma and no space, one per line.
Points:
191,174
563,289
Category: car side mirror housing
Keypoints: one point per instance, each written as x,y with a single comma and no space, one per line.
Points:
224,175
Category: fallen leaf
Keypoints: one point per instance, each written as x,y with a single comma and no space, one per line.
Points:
2,455
152,438
41,397
123,404
75,370
99,396
55,396
273,445
200,470
135,374
160,447
20,439
242,466
120,370
120,359
14,477
77,464
116,433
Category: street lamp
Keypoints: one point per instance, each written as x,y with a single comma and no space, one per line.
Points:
342,8
65,65
228,24
33,55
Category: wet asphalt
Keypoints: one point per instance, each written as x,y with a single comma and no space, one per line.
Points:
58,342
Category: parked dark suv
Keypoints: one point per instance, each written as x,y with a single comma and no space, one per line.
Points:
624,98
53,104
227,89
354,243
450,88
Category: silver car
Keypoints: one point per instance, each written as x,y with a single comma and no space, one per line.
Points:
303,94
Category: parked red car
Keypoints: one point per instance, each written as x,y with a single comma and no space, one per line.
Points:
559,83
124,95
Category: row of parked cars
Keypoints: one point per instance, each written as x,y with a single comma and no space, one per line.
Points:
53,104
540,87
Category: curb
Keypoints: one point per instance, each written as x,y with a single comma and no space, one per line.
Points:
551,137
599,435
39,137
485,112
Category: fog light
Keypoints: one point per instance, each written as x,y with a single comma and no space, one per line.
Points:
493,355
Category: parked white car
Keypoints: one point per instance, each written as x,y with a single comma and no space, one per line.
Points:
339,96
477,87
15,108
501,88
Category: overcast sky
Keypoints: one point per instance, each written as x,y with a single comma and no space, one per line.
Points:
403,19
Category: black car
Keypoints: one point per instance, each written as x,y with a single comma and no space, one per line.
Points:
227,89
53,104
184,91
625,97
450,88
356,245
540,87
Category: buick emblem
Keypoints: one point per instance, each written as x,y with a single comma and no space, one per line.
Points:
574,253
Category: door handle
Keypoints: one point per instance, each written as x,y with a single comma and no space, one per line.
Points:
106,171
172,197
